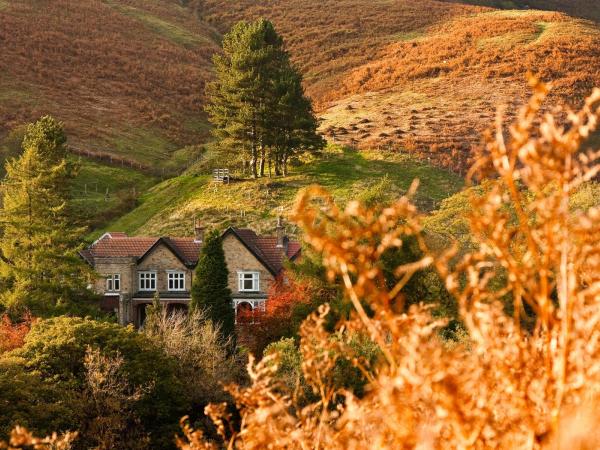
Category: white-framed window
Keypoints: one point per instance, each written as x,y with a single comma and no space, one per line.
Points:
248,281
176,281
147,281
113,282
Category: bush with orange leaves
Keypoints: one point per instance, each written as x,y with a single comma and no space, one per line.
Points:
20,438
503,386
12,334
260,328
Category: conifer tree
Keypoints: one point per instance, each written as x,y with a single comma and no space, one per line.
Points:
293,123
40,268
210,290
258,95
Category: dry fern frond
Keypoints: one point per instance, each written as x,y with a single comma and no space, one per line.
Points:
506,386
22,439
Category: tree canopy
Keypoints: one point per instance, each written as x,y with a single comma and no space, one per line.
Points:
40,268
210,289
257,104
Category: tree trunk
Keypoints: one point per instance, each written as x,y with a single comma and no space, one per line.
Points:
253,162
254,152
262,161
284,165
277,163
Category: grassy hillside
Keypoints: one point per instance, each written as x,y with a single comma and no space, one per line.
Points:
435,94
170,207
126,76
328,38
102,193
589,9
423,76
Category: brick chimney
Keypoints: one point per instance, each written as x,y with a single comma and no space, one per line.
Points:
282,239
198,231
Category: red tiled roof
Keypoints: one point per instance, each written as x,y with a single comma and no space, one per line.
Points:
118,244
117,234
265,248
109,246
115,245
188,247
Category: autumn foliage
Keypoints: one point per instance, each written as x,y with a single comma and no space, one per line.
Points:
21,438
12,334
259,328
499,386
98,65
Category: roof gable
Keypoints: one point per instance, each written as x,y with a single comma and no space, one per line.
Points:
264,248
166,242
119,245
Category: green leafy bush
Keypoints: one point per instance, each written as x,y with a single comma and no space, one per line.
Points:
54,357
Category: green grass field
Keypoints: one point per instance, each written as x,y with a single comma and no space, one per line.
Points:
94,181
170,207
174,33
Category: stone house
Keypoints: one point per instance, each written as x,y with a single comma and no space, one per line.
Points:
132,269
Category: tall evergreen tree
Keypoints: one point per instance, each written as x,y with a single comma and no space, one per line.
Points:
40,268
293,124
210,289
257,89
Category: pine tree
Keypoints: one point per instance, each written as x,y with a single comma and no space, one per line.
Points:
40,268
294,125
210,289
258,95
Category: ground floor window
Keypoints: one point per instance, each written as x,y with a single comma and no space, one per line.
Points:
248,311
113,283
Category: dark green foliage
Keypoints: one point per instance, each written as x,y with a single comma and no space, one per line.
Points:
425,286
52,361
28,400
257,104
345,375
210,289
12,145
40,268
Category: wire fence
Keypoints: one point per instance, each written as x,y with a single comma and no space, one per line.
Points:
121,161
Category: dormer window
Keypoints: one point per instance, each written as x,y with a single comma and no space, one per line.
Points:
248,281
147,281
176,281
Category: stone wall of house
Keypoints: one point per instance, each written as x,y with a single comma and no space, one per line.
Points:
239,258
122,266
161,260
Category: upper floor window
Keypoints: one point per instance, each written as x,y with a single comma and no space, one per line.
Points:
248,281
147,281
176,281
113,283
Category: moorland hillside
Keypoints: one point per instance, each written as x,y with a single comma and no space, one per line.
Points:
588,9
423,76
126,77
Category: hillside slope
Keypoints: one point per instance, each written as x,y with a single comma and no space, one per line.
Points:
423,76
588,9
127,77
437,93
170,207
329,38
